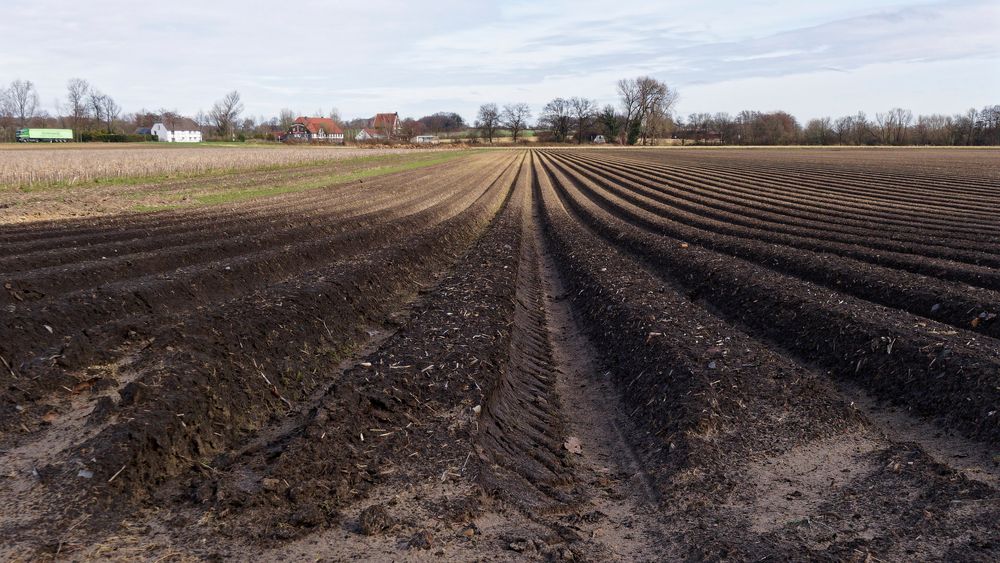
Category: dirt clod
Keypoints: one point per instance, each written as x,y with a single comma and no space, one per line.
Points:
422,539
375,520
272,485
522,546
308,516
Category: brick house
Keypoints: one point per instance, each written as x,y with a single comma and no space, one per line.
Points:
387,124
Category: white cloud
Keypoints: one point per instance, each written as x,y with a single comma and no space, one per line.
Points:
775,54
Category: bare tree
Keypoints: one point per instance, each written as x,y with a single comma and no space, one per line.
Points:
6,112
335,115
611,122
933,129
488,120
442,122
60,115
901,120
6,117
515,118
410,128
725,126
22,100
863,132
628,91
884,127
656,101
767,128
892,125
95,101
77,91
842,128
110,110
285,118
646,104
170,118
248,123
225,114
964,127
583,112
971,116
202,120
697,127
989,125
557,118
818,131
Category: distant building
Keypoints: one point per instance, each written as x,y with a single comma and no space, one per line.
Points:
369,134
425,140
144,131
315,129
165,135
275,132
386,123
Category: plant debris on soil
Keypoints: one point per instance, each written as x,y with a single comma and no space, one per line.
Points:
158,179
545,354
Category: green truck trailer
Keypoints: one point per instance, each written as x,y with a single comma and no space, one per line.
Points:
44,135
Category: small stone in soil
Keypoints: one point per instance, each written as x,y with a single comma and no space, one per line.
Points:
572,445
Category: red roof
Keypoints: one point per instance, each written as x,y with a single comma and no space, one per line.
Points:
372,133
314,124
385,120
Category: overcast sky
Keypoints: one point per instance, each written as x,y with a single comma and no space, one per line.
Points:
417,57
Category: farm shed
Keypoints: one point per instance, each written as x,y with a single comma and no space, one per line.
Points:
425,140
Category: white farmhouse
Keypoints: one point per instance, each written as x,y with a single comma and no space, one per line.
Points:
167,136
369,134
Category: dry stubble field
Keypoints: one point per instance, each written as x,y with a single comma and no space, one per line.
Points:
40,183
575,354
34,166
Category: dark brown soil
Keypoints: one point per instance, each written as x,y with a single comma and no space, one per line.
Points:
520,355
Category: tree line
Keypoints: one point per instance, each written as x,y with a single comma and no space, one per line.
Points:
895,127
95,115
644,114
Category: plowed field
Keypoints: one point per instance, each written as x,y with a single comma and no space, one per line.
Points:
543,354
